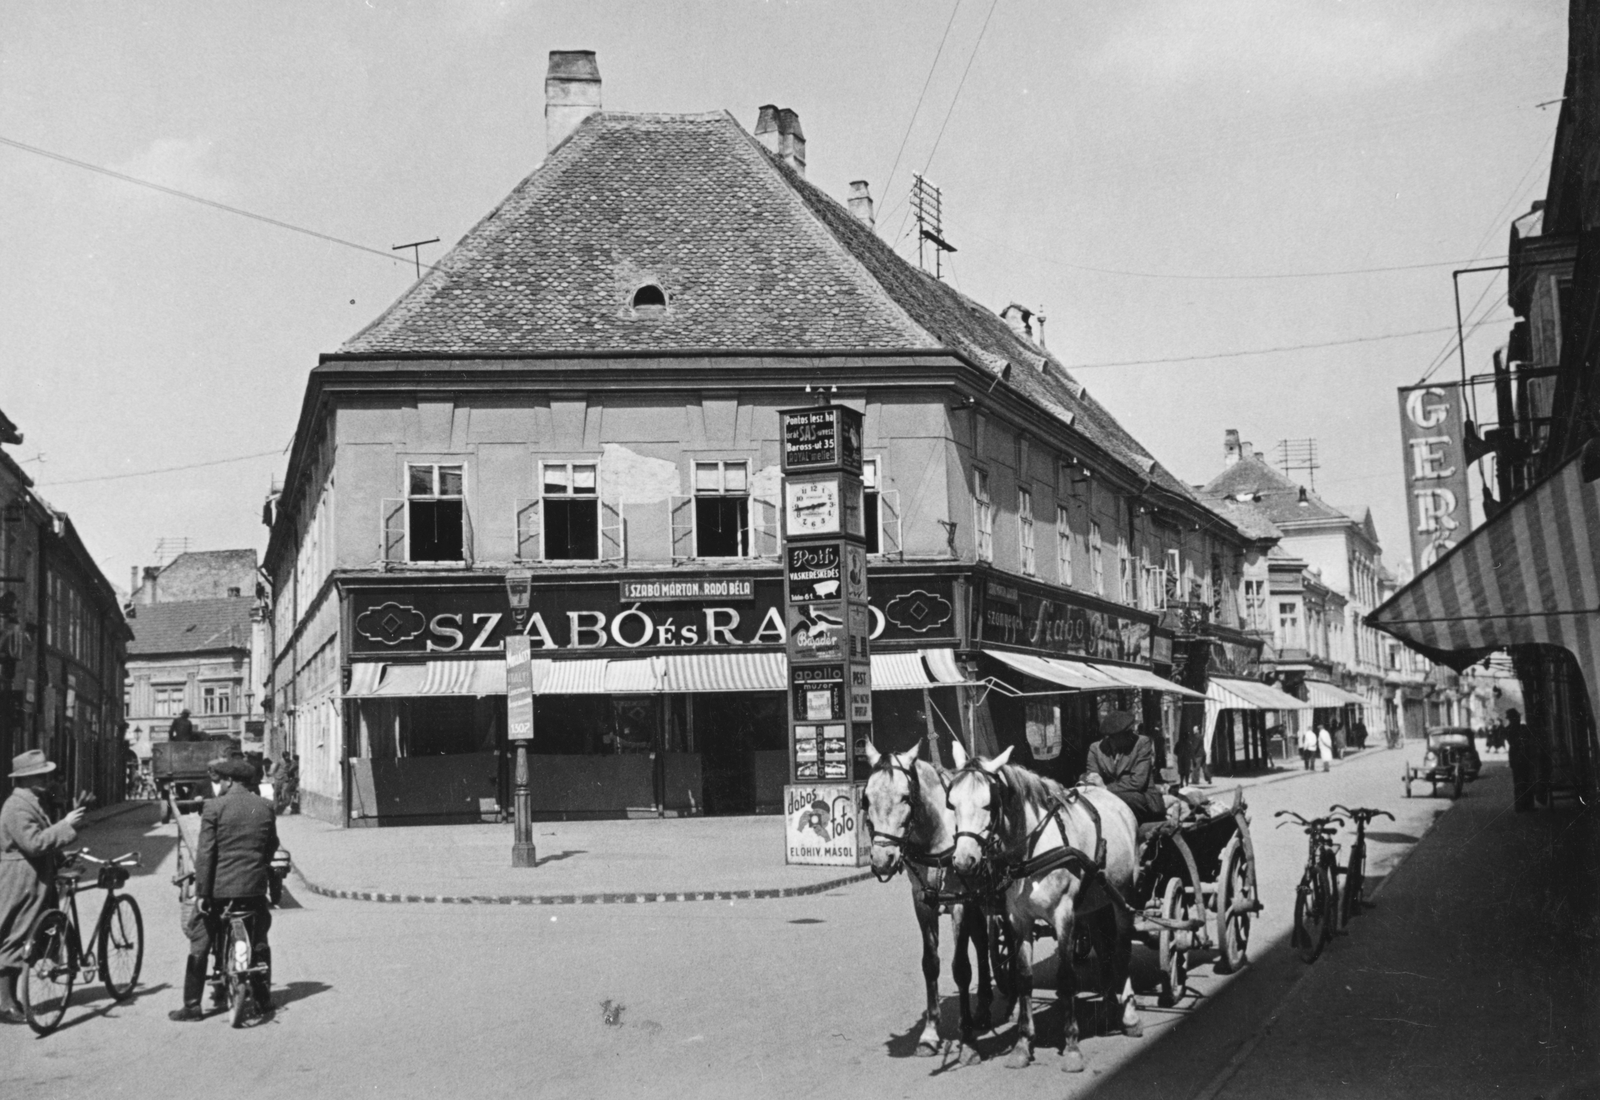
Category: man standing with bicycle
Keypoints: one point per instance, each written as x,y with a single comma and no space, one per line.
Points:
232,859
28,847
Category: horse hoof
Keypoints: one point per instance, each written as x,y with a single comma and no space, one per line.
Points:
1072,1062
926,1049
1134,1030
1021,1056
969,1056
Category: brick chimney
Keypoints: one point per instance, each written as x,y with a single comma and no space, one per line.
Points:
571,93
1230,446
861,202
778,128
152,573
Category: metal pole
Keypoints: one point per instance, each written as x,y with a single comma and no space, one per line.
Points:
522,850
1455,281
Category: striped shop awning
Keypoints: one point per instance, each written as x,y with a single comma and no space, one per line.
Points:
724,672
383,679
1072,675
1322,694
1145,680
917,670
1232,693
1526,576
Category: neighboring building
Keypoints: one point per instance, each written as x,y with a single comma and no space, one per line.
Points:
62,640
197,575
193,655
586,390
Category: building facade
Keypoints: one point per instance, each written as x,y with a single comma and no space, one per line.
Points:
62,641
583,399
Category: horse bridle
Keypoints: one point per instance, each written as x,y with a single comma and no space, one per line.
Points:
989,845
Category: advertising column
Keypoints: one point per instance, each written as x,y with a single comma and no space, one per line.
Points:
828,623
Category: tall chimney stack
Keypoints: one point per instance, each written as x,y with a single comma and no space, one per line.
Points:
571,93
767,127
861,202
792,140
1230,446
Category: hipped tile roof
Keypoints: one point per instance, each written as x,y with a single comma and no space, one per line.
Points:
749,254
191,626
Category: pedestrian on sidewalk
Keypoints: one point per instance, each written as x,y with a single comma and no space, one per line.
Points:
1338,740
1519,746
1325,747
29,844
1308,748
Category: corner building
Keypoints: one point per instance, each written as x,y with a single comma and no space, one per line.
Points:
581,401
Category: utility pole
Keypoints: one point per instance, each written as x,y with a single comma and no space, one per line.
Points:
927,203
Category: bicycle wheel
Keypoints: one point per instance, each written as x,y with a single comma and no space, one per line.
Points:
236,959
1354,881
1308,920
122,948
45,984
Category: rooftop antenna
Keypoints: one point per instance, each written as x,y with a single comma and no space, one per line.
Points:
167,549
416,251
1299,454
927,204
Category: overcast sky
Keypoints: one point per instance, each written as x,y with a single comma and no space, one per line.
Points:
1205,138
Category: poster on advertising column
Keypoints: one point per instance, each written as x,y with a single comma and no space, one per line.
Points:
1432,434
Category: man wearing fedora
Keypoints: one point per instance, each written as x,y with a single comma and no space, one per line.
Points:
29,844
232,863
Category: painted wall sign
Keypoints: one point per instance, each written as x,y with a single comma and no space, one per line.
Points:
1019,616
823,825
698,588
1432,433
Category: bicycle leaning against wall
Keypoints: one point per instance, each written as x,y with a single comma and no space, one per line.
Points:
1316,898
1355,869
56,958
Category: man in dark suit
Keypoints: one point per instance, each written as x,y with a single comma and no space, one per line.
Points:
182,729
232,861
1123,761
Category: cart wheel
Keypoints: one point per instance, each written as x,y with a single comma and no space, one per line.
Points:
1174,959
1233,890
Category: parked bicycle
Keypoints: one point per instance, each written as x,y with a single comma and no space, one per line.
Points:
236,972
1316,899
1355,870
56,958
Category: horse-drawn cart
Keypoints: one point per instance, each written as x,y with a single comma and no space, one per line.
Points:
1197,889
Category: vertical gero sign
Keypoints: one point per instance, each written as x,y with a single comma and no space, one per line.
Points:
828,623
1432,432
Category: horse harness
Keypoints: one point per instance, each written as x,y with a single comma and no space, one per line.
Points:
932,868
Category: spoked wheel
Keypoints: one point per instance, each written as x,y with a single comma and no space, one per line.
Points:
1234,899
1354,883
237,962
1169,945
122,948
45,984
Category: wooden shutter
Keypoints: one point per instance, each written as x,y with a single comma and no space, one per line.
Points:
889,527
680,510
392,530
613,533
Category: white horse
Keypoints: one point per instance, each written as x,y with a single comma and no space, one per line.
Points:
1072,853
912,828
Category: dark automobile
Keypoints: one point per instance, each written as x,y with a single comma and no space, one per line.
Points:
1451,759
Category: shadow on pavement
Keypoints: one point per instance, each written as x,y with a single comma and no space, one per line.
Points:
568,854
101,1011
297,991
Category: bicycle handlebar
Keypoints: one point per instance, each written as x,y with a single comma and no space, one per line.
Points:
1361,813
129,859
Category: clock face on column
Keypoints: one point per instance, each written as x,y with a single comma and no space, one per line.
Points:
812,507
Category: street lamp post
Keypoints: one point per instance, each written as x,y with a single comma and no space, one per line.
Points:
519,717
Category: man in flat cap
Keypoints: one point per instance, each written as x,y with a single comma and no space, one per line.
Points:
1123,761
232,861
29,844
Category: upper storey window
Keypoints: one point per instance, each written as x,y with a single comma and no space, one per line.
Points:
571,511
722,509
436,512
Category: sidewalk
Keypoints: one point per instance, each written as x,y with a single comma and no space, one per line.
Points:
579,862
1477,973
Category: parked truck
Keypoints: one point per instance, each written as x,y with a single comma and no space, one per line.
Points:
179,771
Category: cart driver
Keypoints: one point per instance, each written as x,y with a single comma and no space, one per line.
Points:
232,861
1123,762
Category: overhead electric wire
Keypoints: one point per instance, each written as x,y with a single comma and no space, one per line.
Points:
917,109
162,470
1261,351
224,207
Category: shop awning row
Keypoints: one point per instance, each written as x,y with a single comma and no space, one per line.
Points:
1321,694
1087,676
1230,693
673,673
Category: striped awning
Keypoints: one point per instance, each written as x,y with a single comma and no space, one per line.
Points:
1072,675
1321,694
381,679
1231,693
724,672
915,671
596,676
1145,680
1526,576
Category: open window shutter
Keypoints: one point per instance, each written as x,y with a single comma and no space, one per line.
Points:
681,512
889,522
392,536
529,514
613,533
764,522
466,534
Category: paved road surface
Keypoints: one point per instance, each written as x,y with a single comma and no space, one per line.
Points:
815,996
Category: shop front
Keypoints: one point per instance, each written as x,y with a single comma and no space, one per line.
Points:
653,696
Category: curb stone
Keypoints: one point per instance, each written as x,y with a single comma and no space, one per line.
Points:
613,898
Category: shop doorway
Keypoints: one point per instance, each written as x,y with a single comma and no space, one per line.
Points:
742,741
